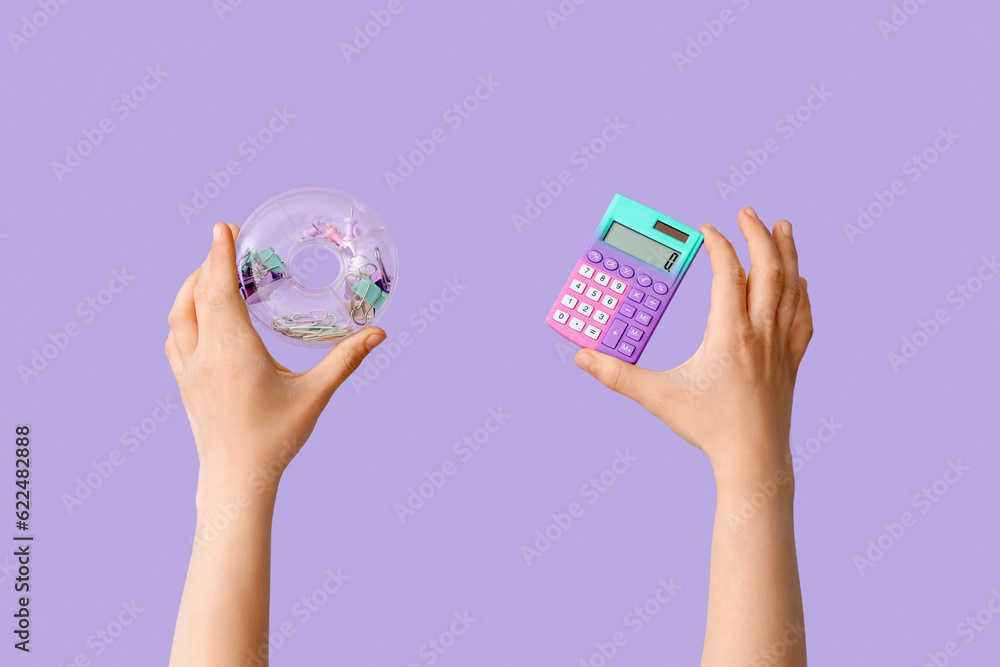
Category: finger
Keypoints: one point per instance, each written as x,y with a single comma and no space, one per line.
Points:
341,361
766,279
802,326
637,383
174,356
227,313
729,281
790,295
183,319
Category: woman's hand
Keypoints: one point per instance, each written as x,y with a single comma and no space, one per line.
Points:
250,415
733,397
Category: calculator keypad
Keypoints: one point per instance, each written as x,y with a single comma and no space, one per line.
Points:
600,308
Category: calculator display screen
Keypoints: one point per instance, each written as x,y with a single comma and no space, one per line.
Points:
640,246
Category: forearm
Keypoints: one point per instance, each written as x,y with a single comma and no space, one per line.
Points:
755,613
223,617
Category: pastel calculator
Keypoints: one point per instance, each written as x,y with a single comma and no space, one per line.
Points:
619,290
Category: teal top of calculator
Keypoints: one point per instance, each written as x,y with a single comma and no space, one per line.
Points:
617,293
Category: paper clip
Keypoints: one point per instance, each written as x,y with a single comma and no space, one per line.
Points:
314,325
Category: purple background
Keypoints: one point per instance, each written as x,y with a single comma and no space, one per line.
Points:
490,348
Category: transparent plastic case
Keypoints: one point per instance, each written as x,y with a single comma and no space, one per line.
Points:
315,265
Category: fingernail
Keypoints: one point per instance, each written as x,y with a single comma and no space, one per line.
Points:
585,360
708,226
216,232
749,211
786,228
372,341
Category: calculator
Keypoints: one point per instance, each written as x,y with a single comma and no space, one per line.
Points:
618,291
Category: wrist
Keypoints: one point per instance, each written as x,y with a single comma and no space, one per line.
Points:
219,486
766,469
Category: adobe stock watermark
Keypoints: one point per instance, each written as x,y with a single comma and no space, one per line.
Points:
224,7
701,41
794,633
786,126
246,152
634,621
391,349
806,451
591,491
302,611
898,17
454,117
104,637
365,33
967,630
32,23
87,310
913,169
923,501
121,107
435,647
463,449
561,12
958,297
581,159
132,440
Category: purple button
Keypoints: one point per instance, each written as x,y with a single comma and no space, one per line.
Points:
643,318
651,303
610,264
644,280
614,333
627,309
627,272
594,256
626,349
636,295
660,288
635,333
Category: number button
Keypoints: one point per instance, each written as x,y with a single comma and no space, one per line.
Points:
594,294
644,280
601,317
635,333
569,301
585,309
609,301
578,286
626,349
618,286
627,272
586,270
576,324
594,256
651,302
636,295
592,332
643,318
560,317
610,264
602,279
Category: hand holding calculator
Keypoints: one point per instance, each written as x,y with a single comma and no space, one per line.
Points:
619,290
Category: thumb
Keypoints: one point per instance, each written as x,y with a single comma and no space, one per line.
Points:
343,360
639,384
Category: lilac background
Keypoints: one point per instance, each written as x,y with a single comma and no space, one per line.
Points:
490,348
